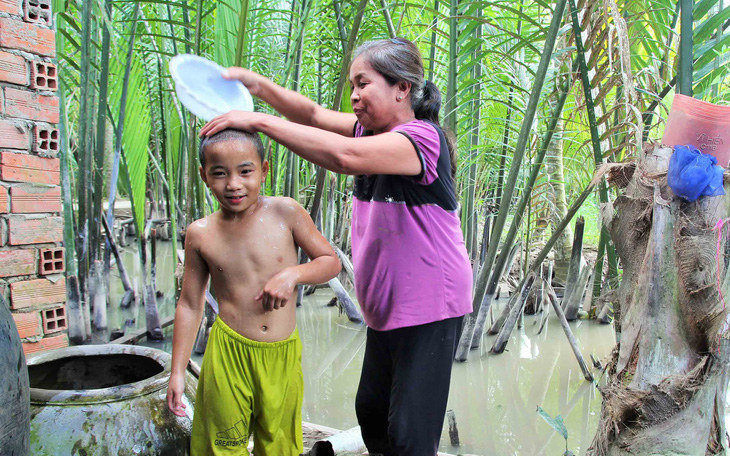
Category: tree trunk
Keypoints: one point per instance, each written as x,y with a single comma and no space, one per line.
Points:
554,168
665,392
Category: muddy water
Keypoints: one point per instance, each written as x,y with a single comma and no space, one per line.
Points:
494,397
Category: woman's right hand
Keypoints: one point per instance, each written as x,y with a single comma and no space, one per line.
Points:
249,78
175,392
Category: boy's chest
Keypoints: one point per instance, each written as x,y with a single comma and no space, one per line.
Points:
257,248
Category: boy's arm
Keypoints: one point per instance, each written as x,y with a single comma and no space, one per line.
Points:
323,266
188,314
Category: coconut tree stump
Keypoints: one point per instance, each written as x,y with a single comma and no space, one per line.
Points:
668,376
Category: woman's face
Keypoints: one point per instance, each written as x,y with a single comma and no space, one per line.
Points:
374,101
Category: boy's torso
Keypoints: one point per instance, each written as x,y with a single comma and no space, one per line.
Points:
242,255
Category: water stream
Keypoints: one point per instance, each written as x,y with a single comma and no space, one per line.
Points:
494,397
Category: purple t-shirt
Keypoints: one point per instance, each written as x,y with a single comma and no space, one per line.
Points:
411,264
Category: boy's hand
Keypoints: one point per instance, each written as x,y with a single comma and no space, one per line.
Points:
175,392
277,290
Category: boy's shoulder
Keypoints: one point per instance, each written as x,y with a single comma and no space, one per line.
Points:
282,205
199,227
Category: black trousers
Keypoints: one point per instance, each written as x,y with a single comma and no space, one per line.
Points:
404,387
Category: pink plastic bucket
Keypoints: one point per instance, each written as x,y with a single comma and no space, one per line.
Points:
704,125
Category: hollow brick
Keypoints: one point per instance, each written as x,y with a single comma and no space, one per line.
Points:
37,12
54,319
52,261
43,76
45,140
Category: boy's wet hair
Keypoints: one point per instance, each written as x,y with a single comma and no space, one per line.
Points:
230,134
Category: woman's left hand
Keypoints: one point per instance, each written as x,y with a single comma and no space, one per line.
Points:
238,120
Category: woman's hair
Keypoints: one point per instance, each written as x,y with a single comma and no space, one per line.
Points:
398,59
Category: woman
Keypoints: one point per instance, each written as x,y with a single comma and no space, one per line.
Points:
412,272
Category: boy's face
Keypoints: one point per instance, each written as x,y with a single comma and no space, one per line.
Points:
234,173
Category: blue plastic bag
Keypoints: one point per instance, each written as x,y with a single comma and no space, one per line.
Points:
693,174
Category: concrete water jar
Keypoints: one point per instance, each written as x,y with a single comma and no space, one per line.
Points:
98,400
14,410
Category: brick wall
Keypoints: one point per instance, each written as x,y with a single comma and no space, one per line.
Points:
31,224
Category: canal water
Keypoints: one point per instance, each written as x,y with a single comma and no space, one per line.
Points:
494,397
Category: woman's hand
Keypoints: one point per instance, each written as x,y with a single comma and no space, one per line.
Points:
175,391
249,78
238,120
278,290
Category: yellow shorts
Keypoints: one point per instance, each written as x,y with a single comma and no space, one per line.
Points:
248,387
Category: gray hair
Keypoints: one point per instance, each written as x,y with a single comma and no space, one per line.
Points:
398,59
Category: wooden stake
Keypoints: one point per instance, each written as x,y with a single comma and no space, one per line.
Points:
453,430
514,314
571,339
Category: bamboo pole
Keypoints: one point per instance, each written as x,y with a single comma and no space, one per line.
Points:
99,295
576,258
509,324
573,342
485,282
126,283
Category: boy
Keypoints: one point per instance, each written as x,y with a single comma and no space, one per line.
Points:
251,379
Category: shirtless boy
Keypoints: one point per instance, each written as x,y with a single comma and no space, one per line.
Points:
251,378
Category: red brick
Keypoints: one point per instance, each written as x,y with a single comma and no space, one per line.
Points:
31,105
47,343
45,139
4,206
16,34
36,292
13,69
32,199
29,168
43,76
52,261
23,231
54,320
14,135
10,6
17,262
28,324
37,12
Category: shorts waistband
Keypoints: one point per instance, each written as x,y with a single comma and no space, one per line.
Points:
220,325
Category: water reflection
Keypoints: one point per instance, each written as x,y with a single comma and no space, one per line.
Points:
494,397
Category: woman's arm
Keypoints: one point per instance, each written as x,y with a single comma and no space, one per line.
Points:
293,105
386,153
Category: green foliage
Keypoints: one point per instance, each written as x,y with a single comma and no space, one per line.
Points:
559,426
483,55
